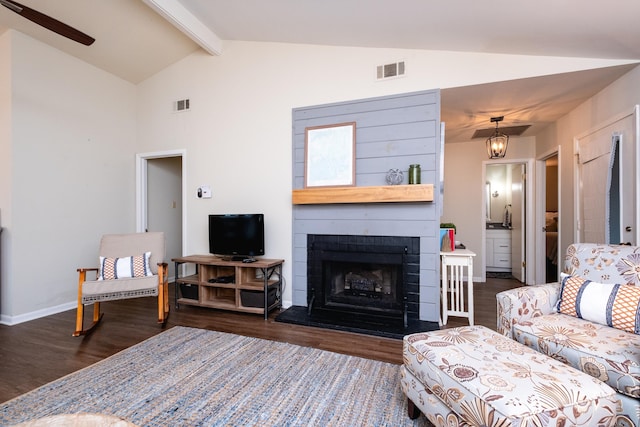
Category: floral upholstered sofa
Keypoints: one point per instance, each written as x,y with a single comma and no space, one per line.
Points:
589,320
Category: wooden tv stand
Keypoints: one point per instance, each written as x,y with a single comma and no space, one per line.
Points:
254,287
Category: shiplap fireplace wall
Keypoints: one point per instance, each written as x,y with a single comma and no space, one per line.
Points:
391,132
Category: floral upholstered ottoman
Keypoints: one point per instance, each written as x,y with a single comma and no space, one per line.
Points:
474,376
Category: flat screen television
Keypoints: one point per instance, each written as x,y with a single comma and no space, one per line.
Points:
236,236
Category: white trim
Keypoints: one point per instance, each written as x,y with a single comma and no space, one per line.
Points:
541,193
14,320
635,112
540,202
174,12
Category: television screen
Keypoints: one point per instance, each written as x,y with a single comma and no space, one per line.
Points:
237,235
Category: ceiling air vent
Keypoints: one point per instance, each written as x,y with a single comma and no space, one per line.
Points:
387,71
181,105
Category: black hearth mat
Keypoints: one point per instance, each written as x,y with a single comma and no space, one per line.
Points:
298,315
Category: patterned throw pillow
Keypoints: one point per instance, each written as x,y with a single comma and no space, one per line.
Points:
118,268
617,306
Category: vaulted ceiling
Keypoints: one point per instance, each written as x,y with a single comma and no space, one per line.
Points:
134,40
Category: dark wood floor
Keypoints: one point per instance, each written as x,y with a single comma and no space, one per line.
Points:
37,352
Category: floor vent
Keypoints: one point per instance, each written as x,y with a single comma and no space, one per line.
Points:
387,71
181,105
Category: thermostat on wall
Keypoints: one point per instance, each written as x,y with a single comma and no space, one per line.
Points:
204,192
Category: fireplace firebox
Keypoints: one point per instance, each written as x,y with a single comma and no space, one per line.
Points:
363,278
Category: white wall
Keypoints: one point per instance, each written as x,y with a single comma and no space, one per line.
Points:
238,133
75,131
5,158
464,186
72,156
618,98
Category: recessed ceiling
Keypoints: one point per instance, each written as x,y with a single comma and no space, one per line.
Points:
506,130
536,101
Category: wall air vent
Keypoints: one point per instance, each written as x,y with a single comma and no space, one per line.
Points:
181,105
387,71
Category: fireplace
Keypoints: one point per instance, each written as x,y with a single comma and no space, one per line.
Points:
370,279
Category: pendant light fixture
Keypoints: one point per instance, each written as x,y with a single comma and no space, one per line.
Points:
497,143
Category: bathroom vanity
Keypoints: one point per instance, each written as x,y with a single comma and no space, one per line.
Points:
498,249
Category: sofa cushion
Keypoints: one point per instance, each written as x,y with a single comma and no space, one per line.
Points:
609,354
487,379
604,263
612,305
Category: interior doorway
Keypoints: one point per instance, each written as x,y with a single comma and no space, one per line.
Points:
160,199
549,253
507,231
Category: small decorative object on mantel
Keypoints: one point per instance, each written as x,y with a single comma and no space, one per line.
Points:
394,177
414,174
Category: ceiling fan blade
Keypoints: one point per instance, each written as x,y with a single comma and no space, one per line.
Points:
48,22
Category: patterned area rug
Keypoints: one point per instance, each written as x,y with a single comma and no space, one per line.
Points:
194,377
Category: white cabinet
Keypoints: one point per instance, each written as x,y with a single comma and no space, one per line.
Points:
498,250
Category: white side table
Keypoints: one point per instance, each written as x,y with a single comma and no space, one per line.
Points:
453,266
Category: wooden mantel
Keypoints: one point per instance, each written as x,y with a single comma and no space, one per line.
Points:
374,194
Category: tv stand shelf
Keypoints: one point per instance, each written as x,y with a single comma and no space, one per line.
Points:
254,287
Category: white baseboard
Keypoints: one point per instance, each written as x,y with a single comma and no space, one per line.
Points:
14,320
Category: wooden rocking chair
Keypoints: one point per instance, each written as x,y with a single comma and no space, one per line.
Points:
132,265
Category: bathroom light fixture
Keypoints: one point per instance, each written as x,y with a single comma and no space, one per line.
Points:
497,143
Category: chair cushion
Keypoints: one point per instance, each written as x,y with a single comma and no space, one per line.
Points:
614,305
107,290
609,354
125,267
124,245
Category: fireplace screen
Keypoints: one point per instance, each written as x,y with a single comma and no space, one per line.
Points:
366,285
363,276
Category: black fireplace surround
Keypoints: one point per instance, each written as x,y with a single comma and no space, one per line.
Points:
364,278
364,284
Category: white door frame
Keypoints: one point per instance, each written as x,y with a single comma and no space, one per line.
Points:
141,189
635,114
541,193
529,227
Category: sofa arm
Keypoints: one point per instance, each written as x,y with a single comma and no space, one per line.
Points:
520,305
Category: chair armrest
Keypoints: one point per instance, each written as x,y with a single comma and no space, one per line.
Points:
520,305
82,276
